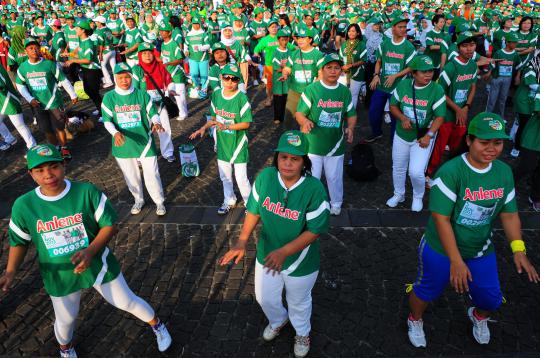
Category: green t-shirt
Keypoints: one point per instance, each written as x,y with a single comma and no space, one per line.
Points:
170,51
232,145
58,44
304,66
498,39
434,38
42,79
267,45
524,97
132,37
327,107
237,53
213,77
530,139
87,51
394,58
9,99
59,227
472,198
430,103
354,54
132,112
279,56
456,79
15,58
197,39
526,40
510,62
212,26
105,39
287,213
116,27
71,38
43,33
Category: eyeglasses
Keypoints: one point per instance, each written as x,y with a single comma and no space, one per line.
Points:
231,78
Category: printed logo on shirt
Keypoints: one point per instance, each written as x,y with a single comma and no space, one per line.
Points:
395,55
63,236
483,194
419,102
461,78
279,210
329,104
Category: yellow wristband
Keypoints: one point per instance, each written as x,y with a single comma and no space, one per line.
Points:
518,246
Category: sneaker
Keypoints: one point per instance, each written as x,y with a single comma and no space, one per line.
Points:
373,138
162,336
66,154
12,142
387,118
301,346
203,94
68,353
224,209
417,205
100,119
34,122
160,210
95,113
514,152
264,80
416,333
335,211
137,207
270,333
480,327
255,83
535,205
4,146
170,158
179,118
394,201
107,85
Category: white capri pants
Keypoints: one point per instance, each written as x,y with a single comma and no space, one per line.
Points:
152,179
18,122
240,173
181,101
333,172
410,155
268,292
110,59
116,292
165,140
355,87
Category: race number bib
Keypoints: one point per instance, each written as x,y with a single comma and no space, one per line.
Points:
461,96
475,215
420,115
38,84
65,241
302,76
165,59
391,68
220,119
154,95
329,120
505,71
73,45
129,119
129,38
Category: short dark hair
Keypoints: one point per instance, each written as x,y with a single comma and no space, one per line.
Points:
437,17
307,164
358,31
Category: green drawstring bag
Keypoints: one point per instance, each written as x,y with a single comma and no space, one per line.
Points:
188,160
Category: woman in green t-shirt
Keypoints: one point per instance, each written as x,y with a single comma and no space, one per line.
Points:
294,211
353,53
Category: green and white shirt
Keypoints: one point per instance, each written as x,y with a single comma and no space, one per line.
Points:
357,54
510,62
287,213
524,97
43,33
15,58
304,67
456,79
58,44
213,76
279,87
116,27
526,40
9,99
197,39
394,58
105,39
132,37
71,38
430,103
237,52
87,51
530,139
59,227
132,112
435,38
232,145
170,51
327,107
472,198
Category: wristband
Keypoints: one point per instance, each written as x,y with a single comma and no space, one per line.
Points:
375,74
517,246
430,134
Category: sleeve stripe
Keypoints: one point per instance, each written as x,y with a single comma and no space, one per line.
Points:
306,100
410,57
445,190
101,207
106,110
149,106
350,107
439,102
18,231
255,194
510,196
314,214
244,109
445,77
396,96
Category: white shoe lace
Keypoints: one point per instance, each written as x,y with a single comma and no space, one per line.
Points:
417,328
302,340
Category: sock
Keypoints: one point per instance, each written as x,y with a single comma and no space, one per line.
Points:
156,326
411,318
477,315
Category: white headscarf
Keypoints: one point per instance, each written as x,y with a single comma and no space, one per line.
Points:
227,42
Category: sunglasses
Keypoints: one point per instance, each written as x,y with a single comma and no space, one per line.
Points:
231,78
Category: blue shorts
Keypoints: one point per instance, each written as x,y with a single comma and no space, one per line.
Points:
434,274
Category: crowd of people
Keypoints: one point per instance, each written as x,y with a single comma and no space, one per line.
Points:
414,67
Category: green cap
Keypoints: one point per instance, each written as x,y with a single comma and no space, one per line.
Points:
303,31
463,37
331,57
399,19
421,63
283,33
231,69
511,37
486,125
42,153
165,26
83,24
145,46
225,24
463,27
273,20
196,20
218,46
258,10
293,142
121,67
375,20
30,41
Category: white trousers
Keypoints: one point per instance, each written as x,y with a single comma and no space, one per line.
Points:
333,172
240,174
116,292
18,122
268,292
165,140
410,156
180,97
356,87
152,180
108,59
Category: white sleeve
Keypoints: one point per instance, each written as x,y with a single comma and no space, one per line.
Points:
25,93
68,88
109,126
204,48
533,86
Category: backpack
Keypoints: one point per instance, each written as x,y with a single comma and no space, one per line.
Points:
362,164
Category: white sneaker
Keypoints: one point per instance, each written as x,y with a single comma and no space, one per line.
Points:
179,118
416,333
107,85
480,327
162,336
224,209
270,333
95,113
417,205
264,80
160,210
394,201
514,153
68,353
387,118
301,346
335,211
136,208
255,83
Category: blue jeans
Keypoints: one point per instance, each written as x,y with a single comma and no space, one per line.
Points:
376,111
199,73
